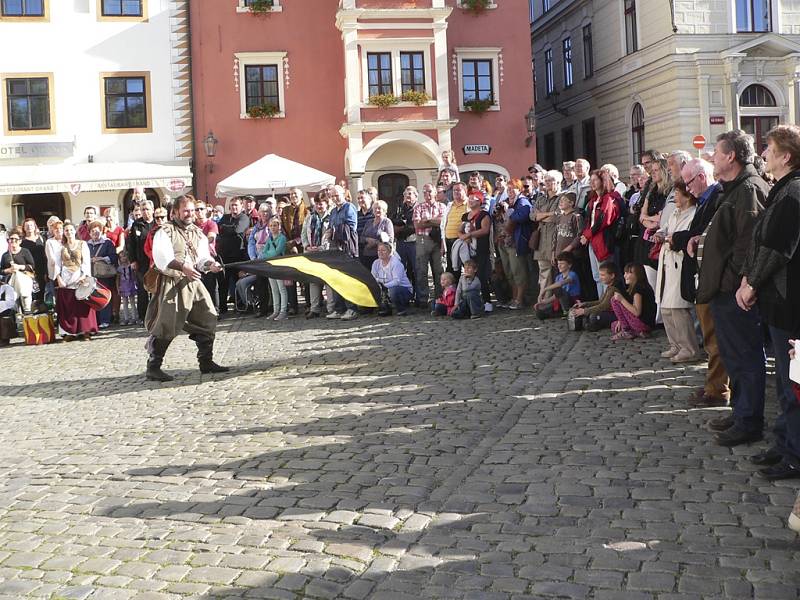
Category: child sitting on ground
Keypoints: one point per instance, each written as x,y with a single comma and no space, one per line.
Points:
468,293
636,309
558,297
597,315
445,304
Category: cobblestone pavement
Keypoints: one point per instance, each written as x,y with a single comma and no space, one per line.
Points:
379,459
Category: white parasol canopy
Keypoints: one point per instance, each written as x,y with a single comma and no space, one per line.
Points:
272,174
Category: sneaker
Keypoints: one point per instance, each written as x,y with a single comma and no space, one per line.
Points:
475,317
281,317
670,352
334,315
514,306
720,423
349,315
103,325
503,304
794,517
488,307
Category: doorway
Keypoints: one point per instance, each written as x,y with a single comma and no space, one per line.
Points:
390,189
39,207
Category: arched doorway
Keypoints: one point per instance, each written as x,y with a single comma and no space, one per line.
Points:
758,113
127,202
390,189
39,207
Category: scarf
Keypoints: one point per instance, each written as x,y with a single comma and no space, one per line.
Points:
318,225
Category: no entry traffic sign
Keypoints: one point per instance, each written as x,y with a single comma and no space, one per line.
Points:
699,142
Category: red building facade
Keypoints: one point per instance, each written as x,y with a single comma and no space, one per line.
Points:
311,80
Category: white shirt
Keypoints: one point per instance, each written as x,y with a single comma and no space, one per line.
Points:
163,253
10,301
71,278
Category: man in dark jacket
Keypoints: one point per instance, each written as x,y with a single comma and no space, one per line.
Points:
140,262
231,248
699,177
771,278
721,253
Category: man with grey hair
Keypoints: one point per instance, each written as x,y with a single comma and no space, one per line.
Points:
343,236
613,172
721,254
675,162
698,175
582,183
568,184
140,262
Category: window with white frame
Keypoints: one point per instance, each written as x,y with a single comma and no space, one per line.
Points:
261,82
566,53
479,75
550,80
753,15
246,6
631,35
395,66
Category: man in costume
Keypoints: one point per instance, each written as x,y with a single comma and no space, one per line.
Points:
181,301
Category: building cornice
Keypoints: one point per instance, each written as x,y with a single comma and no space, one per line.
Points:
348,129
351,18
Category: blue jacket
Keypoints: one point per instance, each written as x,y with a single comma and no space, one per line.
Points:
521,217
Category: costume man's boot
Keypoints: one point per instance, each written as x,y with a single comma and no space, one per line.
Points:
205,353
156,348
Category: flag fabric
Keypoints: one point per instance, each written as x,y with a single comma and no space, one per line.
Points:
346,275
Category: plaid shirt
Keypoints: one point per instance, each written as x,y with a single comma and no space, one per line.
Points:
425,211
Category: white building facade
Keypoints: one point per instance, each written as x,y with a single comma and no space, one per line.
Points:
97,105
616,77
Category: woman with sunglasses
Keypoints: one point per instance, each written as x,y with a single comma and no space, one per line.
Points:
19,268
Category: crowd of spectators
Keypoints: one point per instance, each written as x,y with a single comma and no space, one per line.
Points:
705,247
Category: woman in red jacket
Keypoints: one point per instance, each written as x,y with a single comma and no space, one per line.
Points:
602,213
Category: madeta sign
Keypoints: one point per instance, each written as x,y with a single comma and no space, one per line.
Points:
477,149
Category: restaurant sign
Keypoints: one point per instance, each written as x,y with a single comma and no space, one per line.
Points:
93,186
37,150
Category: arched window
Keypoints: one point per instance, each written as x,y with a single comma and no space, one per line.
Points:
637,133
759,113
757,95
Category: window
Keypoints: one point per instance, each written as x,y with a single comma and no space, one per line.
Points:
548,72
756,95
412,72
126,102
637,133
535,91
28,104
759,112
589,141
531,10
566,52
545,5
379,73
631,38
480,72
588,52
260,78
121,8
477,80
36,9
261,86
549,151
567,144
753,15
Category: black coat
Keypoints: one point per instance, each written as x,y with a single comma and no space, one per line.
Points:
134,244
680,241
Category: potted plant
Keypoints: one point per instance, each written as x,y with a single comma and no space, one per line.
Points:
476,7
383,100
263,111
260,7
418,98
478,106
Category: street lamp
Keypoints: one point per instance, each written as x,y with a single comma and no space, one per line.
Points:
210,145
530,124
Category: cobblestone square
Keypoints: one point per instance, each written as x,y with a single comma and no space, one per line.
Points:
500,458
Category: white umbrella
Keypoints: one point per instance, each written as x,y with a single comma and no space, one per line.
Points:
272,174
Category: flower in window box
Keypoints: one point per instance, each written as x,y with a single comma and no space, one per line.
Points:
476,7
415,97
383,100
261,7
479,106
263,111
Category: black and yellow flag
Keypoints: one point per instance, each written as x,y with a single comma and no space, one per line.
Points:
347,276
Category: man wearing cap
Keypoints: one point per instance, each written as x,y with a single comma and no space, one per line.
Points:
181,301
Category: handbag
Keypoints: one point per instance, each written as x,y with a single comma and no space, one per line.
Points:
103,270
533,241
150,280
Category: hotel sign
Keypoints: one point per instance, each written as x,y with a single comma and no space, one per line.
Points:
75,188
37,150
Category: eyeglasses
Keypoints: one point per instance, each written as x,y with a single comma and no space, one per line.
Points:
688,183
160,217
13,239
